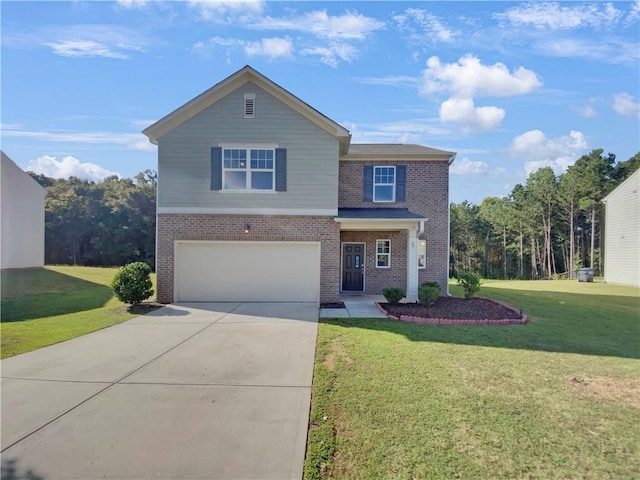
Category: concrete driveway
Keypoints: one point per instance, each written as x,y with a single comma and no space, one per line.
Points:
191,390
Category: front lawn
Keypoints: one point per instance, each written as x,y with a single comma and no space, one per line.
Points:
45,306
558,397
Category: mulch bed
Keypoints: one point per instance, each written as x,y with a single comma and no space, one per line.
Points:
143,308
454,310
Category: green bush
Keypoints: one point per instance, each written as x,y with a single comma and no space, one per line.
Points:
393,295
428,292
132,283
470,282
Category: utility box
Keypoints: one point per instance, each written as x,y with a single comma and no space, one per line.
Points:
585,274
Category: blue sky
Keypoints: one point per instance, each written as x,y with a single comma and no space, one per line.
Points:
510,86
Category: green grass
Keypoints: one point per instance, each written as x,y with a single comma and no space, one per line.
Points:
44,306
556,398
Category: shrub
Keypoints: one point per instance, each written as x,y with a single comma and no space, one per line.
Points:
132,283
393,295
470,282
428,292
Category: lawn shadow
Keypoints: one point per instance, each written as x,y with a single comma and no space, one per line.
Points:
36,293
11,471
604,325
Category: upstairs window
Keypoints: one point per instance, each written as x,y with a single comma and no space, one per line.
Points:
259,169
384,184
248,169
249,105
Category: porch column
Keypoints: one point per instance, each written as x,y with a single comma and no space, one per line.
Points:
412,265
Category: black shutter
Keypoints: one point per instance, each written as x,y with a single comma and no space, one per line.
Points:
367,175
401,182
216,168
281,169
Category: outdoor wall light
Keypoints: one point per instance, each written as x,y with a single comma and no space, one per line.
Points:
247,228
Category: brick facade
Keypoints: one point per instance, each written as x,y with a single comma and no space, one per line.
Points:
172,227
427,194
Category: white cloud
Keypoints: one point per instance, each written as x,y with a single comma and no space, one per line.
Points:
634,13
84,48
586,111
390,80
349,26
219,11
417,130
132,141
464,166
624,104
424,28
605,49
557,16
332,53
469,77
538,151
131,4
69,167
270,47
471,118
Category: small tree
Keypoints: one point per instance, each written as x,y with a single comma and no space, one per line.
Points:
428,293
393,295
132,283
470,282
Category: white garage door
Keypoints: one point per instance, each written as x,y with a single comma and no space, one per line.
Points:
247,271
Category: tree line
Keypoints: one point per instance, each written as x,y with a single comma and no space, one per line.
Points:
548,227
109,223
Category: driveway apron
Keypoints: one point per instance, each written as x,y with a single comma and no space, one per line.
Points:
192,390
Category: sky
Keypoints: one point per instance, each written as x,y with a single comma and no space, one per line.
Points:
509,86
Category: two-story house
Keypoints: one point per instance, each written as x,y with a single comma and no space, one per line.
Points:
263,198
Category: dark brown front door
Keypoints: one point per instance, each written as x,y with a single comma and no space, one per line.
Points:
353,267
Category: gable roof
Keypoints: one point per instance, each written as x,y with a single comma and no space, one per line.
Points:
231,83
396,151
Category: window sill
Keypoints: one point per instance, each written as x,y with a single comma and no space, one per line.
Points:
252,192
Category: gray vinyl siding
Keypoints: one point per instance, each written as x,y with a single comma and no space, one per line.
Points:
184,156
622,233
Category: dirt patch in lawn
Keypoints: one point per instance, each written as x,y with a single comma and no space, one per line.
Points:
618,390
475,310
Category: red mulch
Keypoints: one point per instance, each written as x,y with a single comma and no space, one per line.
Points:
454,308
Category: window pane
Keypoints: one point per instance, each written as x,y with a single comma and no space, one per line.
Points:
383,193
422,254
262,180
235,158
262,159
235,180
383,260
384,175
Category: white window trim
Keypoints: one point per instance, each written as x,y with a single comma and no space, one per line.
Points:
393,185
248,170
387,254
420,253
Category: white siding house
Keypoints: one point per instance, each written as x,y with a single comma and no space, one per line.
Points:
22,218
622,233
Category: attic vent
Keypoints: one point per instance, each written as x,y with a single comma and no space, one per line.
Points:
249,105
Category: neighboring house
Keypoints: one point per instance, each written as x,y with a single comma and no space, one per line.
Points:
622,233
263,198
22,228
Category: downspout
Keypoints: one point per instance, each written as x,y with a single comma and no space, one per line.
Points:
451,160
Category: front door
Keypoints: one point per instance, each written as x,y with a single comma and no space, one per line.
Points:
353,267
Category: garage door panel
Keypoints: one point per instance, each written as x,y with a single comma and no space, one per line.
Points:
247,271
